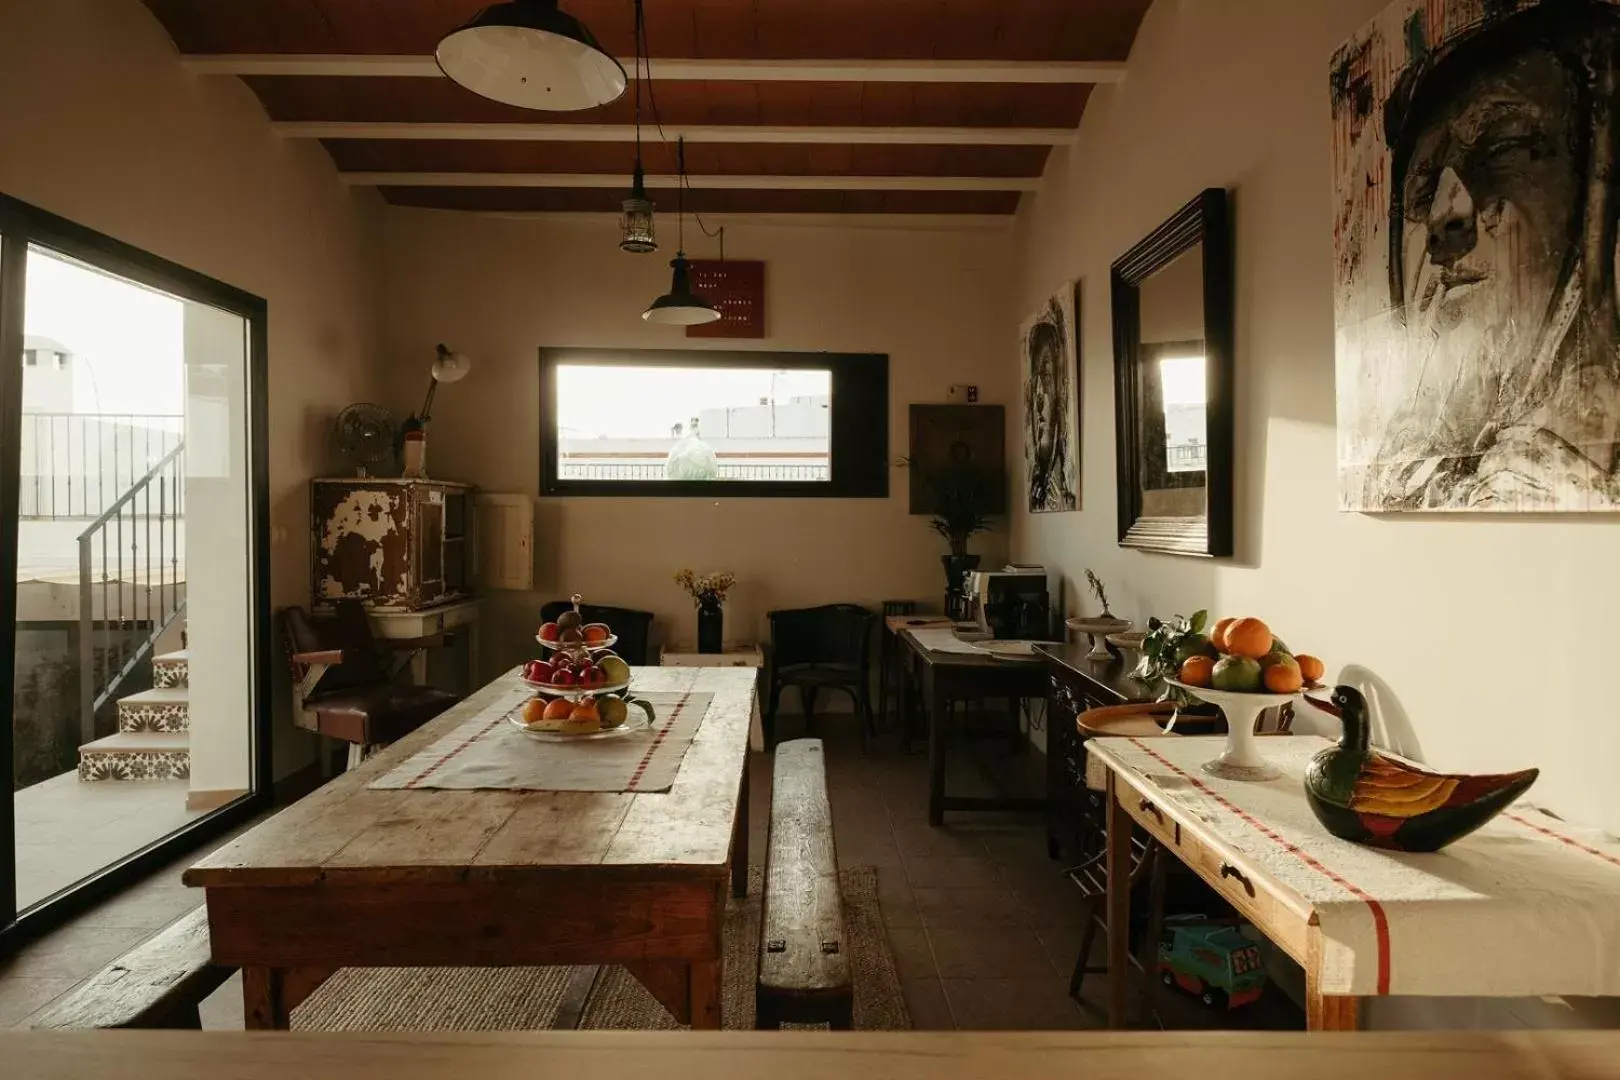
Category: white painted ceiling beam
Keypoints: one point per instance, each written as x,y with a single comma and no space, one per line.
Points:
711,183
908,71
713,133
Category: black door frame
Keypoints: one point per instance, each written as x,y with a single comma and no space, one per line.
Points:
21,225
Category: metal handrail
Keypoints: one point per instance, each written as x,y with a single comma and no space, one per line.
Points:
129,496
114,633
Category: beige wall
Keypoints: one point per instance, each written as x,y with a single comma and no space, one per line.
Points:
104,127
501,288
1492,633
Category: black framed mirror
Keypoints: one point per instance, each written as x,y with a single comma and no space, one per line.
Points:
1173,383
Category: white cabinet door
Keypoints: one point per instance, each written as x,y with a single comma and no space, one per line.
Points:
505,537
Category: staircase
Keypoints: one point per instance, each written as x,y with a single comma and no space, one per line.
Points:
153,741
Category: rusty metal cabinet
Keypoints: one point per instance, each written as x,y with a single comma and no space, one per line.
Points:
397,545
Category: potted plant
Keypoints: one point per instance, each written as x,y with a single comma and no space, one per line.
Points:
959,494
1099,626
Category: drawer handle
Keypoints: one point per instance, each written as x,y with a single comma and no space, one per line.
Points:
1230,871
1147,806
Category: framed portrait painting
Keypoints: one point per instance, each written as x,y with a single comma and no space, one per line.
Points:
1051,394
1475,248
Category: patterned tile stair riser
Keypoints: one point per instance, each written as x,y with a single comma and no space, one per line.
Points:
145,765
168,674
134,716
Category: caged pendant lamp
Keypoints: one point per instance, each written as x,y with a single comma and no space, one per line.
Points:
637,230
531,54
681,306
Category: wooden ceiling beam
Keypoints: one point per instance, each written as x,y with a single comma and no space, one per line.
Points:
832,70
706,133
699,183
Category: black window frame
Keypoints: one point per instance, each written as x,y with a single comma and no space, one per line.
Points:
860,425
22,224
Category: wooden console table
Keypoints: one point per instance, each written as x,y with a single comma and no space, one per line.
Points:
1521,908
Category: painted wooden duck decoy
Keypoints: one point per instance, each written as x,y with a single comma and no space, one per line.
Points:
1362,795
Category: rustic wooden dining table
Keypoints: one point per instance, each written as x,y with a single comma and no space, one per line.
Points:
354,876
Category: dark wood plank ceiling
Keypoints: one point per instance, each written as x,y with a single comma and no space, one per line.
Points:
1026,32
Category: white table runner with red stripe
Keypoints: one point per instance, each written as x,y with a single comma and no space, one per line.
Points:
1527,905
487,753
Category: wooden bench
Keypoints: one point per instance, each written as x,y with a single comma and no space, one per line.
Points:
157,984
804,954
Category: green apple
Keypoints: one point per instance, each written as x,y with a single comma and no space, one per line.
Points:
1236,673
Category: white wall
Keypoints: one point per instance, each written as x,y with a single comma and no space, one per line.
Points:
1493,633
499,289
103,126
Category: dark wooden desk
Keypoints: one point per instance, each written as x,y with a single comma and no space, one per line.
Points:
944,677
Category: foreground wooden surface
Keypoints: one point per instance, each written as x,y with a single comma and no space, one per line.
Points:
132,1055
356,877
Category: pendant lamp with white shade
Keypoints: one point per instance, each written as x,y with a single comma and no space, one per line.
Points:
681,306
531,54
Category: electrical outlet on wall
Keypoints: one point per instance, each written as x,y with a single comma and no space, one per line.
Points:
962,394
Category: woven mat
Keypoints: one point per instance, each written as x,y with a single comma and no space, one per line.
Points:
486,753
527,998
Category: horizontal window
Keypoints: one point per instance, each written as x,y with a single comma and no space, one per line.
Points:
644,422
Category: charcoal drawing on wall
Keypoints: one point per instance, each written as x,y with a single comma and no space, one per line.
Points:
1051,416
1475,251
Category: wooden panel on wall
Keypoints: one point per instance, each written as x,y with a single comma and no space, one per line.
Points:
737,288
943,434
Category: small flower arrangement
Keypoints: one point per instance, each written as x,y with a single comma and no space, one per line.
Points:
706,590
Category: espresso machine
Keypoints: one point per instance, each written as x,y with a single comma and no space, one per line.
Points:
1011,604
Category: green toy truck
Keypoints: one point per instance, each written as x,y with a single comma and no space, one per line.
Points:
1213,961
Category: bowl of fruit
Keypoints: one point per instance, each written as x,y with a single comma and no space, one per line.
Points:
577,674
562,719
1244,669
571,631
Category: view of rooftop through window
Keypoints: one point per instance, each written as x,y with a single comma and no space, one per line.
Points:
666,422
1182,378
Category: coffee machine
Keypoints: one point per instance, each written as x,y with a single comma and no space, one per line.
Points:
1011,604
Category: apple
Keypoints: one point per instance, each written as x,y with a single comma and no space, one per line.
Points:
543,672
550,632
532,671
563,678
594,676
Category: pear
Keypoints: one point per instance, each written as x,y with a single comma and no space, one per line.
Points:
616,670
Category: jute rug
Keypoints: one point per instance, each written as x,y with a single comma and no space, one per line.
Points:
528,998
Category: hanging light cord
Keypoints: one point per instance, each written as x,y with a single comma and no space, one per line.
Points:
683,185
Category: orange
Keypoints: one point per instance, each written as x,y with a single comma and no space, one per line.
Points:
1197,670
1282,679
1217,636
559,709
1248,638
1310,667
595,633
534,710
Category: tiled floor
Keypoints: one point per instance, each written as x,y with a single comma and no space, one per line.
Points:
982,925
68,829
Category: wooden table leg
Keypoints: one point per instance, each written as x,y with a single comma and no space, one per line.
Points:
270,994
1326,1012
739,839
705,992
938,740
1119,906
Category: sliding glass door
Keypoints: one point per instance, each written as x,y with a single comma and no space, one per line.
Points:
131,470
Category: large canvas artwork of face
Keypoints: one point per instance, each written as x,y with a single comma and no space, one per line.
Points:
1051,415
1475,252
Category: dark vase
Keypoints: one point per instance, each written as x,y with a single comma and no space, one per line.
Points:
711,626
957,568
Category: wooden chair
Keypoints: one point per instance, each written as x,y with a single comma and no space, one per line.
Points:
1148,862
804,966
816,649
157,984
341,688
634,628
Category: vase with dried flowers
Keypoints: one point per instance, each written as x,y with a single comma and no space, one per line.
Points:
708,592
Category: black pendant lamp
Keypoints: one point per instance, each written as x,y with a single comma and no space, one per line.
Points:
637,231
531,54
681,306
